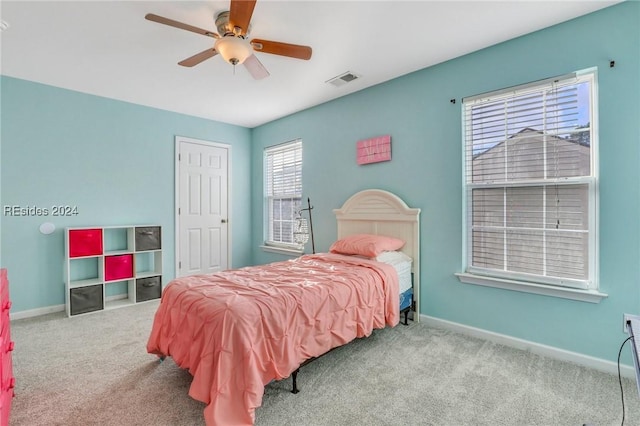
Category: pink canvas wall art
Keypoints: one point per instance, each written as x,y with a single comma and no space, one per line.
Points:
374,150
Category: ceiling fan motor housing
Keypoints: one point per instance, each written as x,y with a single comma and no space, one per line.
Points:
224,26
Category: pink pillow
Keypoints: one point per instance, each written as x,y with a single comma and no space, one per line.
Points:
366,245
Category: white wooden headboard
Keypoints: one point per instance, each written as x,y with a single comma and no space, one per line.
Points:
379,212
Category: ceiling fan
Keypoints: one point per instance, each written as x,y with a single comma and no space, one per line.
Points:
232,42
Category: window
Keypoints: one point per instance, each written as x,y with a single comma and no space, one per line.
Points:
283,192
530,183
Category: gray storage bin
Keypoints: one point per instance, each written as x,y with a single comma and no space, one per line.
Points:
86,299
148,288
148,238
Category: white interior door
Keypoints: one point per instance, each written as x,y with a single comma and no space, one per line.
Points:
202,172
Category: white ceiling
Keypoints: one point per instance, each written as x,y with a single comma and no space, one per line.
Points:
107,48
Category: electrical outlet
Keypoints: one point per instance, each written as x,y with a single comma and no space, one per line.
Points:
628,317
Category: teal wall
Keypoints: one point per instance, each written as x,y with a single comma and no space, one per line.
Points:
426,172
111,159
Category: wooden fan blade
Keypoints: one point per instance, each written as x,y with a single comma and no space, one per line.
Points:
199,57
282,49
255,67
176,24
240,14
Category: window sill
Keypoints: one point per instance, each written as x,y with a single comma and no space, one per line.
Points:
282,250
591,296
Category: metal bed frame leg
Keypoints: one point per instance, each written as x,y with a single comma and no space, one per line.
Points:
406,316
294,376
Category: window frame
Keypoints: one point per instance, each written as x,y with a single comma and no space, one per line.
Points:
271,244
577,290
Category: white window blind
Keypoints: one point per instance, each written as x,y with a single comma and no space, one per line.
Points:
283,191
530,182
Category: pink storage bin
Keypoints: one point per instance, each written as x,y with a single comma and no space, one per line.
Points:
85,242
118,267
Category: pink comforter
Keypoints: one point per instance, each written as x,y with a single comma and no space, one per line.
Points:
237,330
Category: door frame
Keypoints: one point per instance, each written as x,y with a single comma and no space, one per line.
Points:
176,200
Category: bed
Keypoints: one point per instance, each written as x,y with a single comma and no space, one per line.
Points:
237,330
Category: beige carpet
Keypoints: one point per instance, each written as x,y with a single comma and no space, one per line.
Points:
94,370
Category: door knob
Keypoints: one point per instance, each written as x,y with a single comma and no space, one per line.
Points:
223,221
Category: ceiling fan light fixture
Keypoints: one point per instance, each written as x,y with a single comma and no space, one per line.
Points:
234,50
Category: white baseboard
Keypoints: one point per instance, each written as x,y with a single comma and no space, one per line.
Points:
36,312
537,348
52,309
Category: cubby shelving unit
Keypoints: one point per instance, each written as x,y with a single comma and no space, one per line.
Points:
111,266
